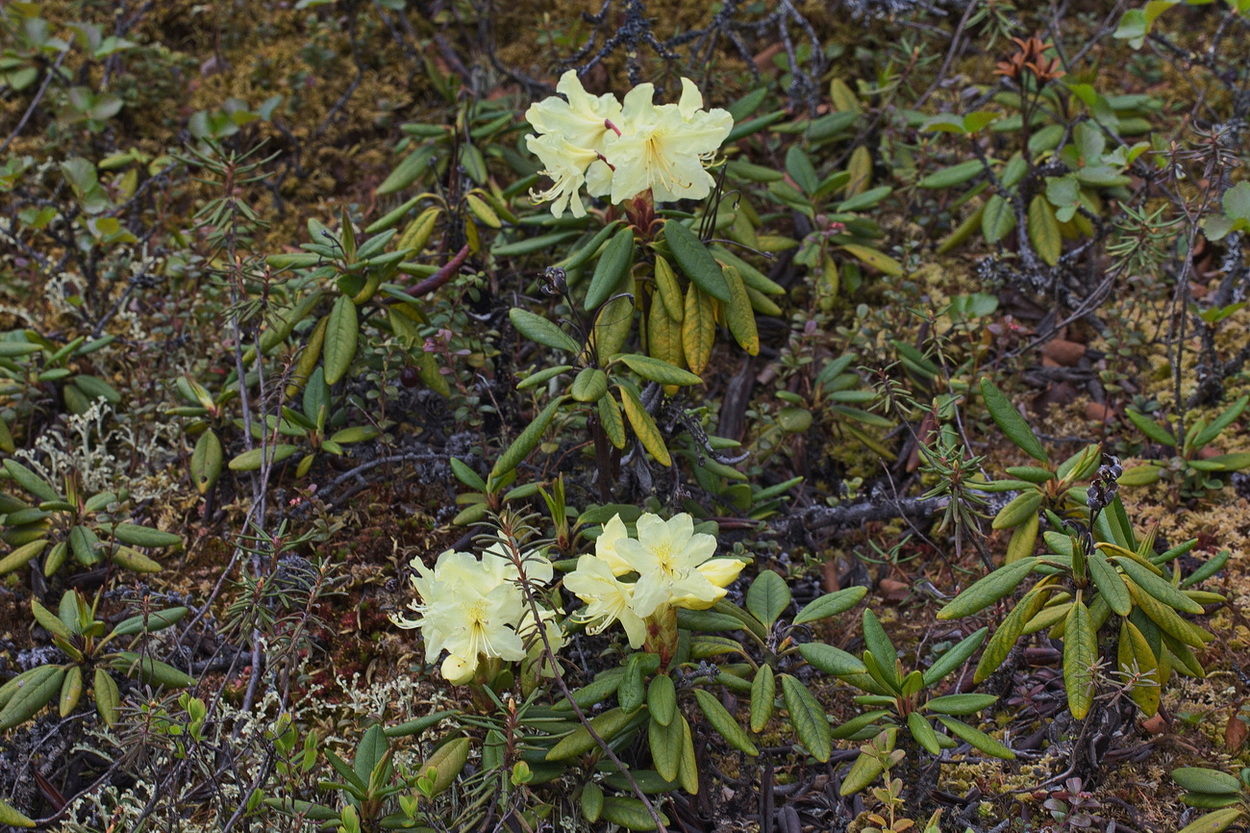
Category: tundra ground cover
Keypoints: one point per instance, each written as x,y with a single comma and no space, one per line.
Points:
777,416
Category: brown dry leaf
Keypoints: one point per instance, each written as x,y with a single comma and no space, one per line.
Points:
830,576
1099,412
1063,353
1235,730
1155,725
894,591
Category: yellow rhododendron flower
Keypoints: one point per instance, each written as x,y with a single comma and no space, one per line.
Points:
473,609
569,166
670,559
663,149
623,150
614,532
674,568
579,118
607,598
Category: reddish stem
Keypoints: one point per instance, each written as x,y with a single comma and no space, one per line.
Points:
443,275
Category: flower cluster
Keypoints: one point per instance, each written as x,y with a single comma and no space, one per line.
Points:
673,567
474,610
621,150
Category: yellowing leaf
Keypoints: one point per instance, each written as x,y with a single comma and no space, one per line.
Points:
877,260
740,313
644,426
668,290
698,329
860,167
611,421
664,335
613,325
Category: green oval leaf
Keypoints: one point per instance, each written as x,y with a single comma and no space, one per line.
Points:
956,656
1011,423
480,209
1160,588
50,621
923,733
952,176
1135,656
763,695
409,170
107,696
583,253
739,312
1150,428
611,269
13,818
807,717
447,761
629,813
662,699
29,692
832,660
1203,780
71,691
998,219
658,370
30,481
85,545
866,769
253,459
592,801
151,670
830,604
22,556
527,441
695,260
1044,230
134,560
607,726
977,738
768,597
542,331
1080,652
611,421
960,703
150,622
1109,583
644,426
724,723
96,388
632,694
143,536
540,378
206,461
342,331
1020,509
876,259
881,648
1220,820
589,385
998,584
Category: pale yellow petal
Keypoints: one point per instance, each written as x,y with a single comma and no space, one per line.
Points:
457,670
721,571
